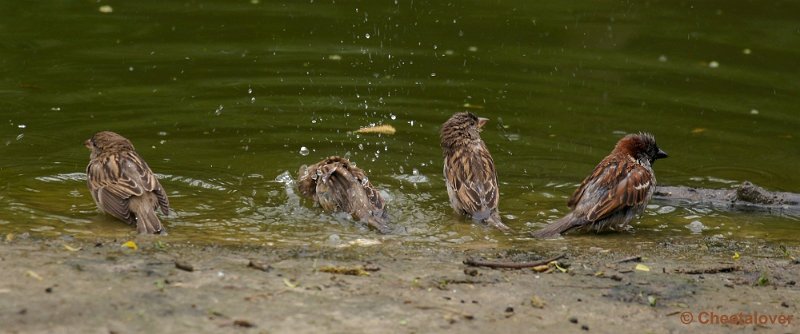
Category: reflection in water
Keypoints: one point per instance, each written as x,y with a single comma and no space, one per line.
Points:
223,98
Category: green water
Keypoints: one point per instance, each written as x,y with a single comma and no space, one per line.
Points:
220,96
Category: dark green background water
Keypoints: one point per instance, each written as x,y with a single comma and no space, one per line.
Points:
220,96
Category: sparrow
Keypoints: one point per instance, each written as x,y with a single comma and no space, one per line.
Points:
617,190
469,171
339,186
122,184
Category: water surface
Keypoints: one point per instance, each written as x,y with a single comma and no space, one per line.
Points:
219,97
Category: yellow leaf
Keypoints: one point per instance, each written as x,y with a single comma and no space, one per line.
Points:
696,131
736,256
10,237
642,267
541,268
33,274
555,263
384,129
131,245
70,248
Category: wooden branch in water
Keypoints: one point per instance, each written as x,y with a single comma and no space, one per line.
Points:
746,197
510,265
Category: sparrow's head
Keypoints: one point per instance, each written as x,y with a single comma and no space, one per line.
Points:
642,146
107,141
462,128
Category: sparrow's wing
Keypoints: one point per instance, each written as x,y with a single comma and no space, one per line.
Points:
474,180
630,189
114,179
605,167
373,196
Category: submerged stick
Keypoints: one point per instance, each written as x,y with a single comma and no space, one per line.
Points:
511,265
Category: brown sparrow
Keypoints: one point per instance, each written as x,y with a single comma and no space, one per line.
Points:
339,186
469,170
617,190
122,184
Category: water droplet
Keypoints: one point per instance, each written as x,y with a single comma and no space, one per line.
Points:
361,147
162,133
754,111
392,116
696,227
473,49
284,178
665,209
304,151
366,36
662,58
22,126
249,91
334,239
218,111
713,64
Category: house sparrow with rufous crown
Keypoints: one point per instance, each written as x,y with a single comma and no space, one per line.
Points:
122,184
616,192
339,186
469,170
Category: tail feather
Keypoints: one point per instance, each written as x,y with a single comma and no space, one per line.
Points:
379,223
148,223
558,227
495,221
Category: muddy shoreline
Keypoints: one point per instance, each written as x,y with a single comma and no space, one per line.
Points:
99,286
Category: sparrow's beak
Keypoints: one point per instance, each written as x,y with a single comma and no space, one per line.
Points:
482,121
88,143
661,154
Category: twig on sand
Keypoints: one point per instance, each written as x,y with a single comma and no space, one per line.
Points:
630,259
511,265
726,269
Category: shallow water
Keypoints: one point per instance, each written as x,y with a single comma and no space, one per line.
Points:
220,97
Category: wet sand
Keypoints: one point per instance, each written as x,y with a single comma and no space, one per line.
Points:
98,286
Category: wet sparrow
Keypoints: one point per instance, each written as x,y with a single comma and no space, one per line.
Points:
337,186
469,170
617,190
122,184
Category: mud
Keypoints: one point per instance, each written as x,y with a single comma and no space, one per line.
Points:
100,286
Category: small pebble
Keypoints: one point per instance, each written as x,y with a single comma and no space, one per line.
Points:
243,323
184,266
509,309
584,327
573,320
